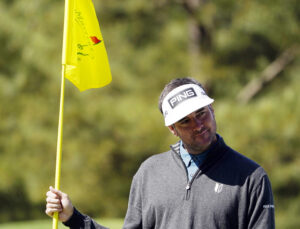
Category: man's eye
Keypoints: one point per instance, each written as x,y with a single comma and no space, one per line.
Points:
185,121
200,114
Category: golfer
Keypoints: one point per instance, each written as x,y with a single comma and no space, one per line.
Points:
200,183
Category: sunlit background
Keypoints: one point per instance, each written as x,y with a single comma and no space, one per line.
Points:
246,54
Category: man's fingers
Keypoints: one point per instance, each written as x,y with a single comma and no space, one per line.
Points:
53,200
54,206
50,209
57,201
52,195
56,194
49,213
55,191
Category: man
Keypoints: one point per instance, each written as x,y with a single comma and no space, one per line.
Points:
199,183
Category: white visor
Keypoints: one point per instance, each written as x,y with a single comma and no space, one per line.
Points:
183,101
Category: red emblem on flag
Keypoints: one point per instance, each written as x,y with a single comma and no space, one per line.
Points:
95,40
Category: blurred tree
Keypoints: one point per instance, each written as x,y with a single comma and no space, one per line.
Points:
108,132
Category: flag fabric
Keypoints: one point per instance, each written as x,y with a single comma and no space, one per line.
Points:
84,55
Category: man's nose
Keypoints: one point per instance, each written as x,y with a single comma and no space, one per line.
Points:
197,124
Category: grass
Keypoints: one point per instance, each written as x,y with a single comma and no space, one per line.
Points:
47,224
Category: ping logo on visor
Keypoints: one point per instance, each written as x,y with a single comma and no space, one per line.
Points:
182,96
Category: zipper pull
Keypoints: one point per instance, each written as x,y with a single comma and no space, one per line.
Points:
188,187
187,194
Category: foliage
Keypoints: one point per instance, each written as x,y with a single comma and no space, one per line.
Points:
108,132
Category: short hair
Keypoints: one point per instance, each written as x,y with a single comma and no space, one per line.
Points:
174,84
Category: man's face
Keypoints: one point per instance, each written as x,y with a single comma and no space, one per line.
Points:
197,130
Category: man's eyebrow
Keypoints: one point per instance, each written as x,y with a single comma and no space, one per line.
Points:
197,111
181,120
201,109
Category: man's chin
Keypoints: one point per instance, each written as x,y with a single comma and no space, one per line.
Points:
202,140
202,144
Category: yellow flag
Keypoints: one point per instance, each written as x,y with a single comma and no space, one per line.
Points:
84,54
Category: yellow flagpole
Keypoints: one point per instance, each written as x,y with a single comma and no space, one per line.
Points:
67,16
59,142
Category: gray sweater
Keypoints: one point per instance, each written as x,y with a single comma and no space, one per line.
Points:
229,191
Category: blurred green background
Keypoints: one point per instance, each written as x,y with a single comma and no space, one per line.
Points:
246,53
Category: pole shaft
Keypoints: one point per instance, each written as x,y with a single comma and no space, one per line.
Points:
59,142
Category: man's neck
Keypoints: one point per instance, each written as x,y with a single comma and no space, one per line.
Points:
200,151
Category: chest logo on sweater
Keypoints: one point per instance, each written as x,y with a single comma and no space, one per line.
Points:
218,188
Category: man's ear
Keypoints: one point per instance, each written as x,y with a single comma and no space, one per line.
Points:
173,130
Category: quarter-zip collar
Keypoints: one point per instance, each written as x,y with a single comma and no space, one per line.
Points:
215,154
192,162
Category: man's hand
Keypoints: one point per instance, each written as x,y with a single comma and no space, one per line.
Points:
58,201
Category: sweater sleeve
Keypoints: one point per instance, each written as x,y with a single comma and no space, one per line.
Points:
133,219
80,221
261,209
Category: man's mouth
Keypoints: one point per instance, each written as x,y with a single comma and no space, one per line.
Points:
201,132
